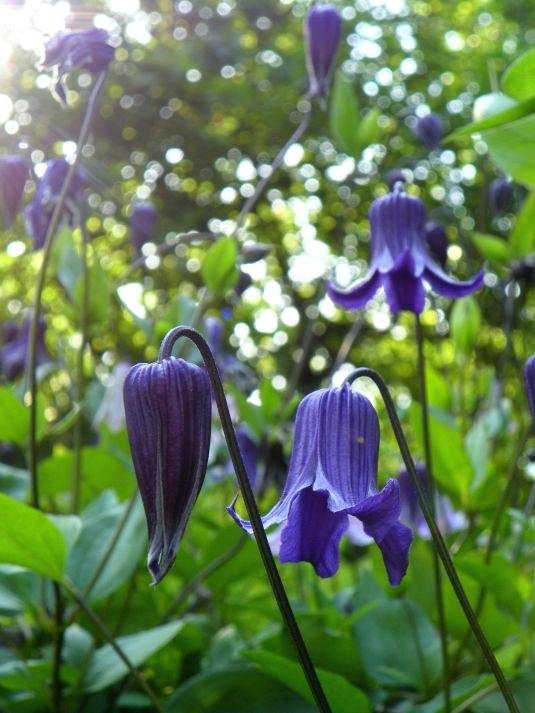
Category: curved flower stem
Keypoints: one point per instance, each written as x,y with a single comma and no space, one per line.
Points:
47,249
250,503
277,162
79,381
439,594
440,545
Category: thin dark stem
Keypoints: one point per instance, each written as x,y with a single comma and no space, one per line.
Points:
58,646
108,636
210,568
250,504
347,342
47,249
437,537
277,162
439,594
79,380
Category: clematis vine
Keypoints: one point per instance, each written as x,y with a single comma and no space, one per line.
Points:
67,51
13,175
322,36
168,419
400,259
333,475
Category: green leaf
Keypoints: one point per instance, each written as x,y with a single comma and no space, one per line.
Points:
344,115
461,691
105,667
98,297
522,238
341,694
368,130
29,539
14,481
518,79
492,247
271,401
465,322
14,418
512,147
501,118
219,270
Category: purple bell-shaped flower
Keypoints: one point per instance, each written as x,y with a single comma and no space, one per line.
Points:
500,195
322,34
428,129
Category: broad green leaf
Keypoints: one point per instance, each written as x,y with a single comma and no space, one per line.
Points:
461,690
29,539
502,118
512,147
518,80
492,247
219,270
344,115
522,688
271,400
465,321
522,238
368,130
341,694
249,413
105,667
69,268
14,481
14,418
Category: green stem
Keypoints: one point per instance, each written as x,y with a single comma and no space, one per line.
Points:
437,537
108,636
439,594
47,250
58,645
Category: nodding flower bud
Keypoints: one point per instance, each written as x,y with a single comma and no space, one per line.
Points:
142,223
429,131
13,175
500,195
322,35
168,418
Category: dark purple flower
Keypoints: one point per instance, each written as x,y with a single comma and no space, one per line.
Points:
500,195
168,418
400,260
67,51
332,475
39,212
394,177
447,519
437,242
529,383
142,223
13,175
14,352
322,35
428,129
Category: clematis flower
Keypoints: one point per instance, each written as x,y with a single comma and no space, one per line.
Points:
322,35
168,419
500,195
67,51
400,260
15,342
39,212
142,223
529,383
428,129
333,475
13,175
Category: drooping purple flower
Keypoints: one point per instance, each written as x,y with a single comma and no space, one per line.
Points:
142,223
15,344
67,51
529,383
428,129
332,475
500,195
447,519
13,175
400,261
168,419
322,34
39,212
437,242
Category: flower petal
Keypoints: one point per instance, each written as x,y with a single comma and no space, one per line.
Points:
312,533
404,291
379,514
359,294
449,286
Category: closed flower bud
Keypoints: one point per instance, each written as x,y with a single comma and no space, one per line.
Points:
142,223
322,35
13,175
168,418
428,129
500,195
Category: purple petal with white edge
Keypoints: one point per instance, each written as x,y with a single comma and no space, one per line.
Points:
168,418
356,534
312,533
348,445
449,286
404,291
379,513
357,295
